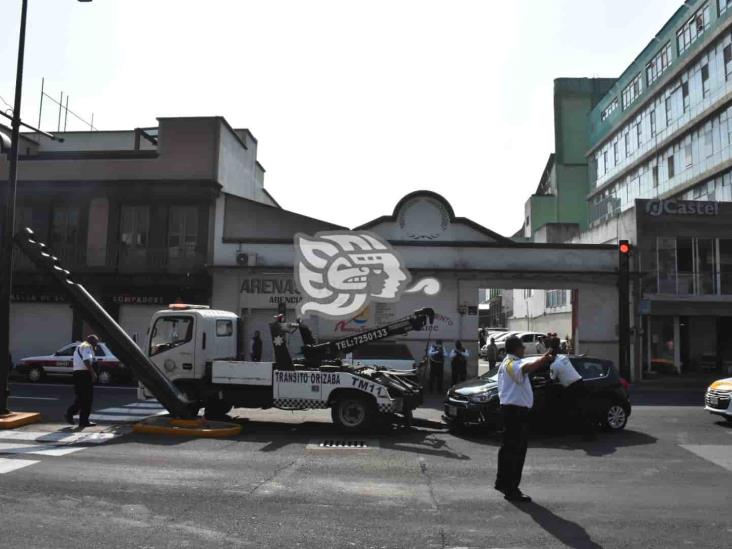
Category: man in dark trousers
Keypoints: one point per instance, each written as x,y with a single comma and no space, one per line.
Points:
84,379
492,354
256,354
516,397
437,365
459,363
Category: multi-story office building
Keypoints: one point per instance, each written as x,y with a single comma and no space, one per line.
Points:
133,214
659,151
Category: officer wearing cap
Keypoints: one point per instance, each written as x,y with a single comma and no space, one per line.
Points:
84,379
516,398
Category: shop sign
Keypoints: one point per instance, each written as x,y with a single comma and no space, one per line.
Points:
22,297
139,300
341,272
267,293
681,207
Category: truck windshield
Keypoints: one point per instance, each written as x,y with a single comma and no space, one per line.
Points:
169,332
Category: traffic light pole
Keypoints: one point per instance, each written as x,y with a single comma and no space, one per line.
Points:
624,308
6,265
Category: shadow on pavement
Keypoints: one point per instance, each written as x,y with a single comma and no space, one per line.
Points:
604,444
569,533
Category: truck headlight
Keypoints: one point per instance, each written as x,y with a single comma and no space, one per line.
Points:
484,397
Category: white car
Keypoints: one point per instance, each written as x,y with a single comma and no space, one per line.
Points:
497,337
35,368
529,339
718,399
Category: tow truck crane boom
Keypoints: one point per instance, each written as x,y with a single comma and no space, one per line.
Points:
317,353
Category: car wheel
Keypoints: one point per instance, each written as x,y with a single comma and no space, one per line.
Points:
728,418
353,412
615,417
35,374
104,377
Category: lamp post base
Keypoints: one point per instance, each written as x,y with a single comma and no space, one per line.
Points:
18,419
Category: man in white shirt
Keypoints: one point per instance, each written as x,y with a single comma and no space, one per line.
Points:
516,397
84,379
575,392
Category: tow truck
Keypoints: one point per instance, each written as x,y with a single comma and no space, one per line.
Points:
194,360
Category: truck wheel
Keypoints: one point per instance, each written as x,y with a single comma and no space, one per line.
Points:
35,374
216,409
353,412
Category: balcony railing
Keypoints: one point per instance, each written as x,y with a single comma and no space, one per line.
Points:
688,283
146,260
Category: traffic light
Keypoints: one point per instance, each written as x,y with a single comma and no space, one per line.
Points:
624,251
624,247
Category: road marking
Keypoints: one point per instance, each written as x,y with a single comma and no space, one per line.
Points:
60,437
7,465
34,398
718,454
38,449
134,411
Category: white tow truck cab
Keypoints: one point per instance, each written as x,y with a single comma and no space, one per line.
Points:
198,350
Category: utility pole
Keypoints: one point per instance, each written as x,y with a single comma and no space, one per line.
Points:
6,274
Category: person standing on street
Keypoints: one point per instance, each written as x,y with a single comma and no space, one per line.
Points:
575,393
437,365
84,379
492,354
256,353
540,346
459,363
516,398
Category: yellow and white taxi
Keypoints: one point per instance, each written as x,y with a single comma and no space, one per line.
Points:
718,399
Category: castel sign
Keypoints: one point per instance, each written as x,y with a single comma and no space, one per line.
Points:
681,207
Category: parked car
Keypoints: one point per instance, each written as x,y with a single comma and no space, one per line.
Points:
529,339
718,399
475,402
35,368
392,355
496,337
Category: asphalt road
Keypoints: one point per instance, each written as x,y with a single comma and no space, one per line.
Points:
664,482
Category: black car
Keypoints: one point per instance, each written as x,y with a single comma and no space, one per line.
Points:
475,402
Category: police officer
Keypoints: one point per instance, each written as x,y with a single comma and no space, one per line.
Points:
575,393
84,379
437,365
516,398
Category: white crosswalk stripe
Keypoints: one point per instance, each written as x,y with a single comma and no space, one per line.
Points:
45,443
132,412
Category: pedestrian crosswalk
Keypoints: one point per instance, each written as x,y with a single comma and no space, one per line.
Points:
132,412
45,443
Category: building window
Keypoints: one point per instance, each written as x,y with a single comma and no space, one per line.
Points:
658,64
555,298
632,91
685,95
654,176
706,87
723,5
708,142
693,28
669,110
134,230
182,232
616,154
688,158
604,162
652,118
65,230
727,61
609,109
626,139
670,164
638,134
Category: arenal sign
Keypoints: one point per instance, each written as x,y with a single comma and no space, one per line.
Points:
681,207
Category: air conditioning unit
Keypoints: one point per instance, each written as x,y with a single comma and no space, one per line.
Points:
244,259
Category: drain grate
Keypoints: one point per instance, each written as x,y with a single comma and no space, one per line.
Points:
342,444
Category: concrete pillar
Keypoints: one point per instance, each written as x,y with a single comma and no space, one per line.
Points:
677,344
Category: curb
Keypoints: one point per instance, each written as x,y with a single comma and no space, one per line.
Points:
197,428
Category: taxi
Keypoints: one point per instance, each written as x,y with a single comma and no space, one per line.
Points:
718,399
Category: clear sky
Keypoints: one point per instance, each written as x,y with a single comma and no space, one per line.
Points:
354,103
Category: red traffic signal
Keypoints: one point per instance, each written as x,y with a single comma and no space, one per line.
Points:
624,247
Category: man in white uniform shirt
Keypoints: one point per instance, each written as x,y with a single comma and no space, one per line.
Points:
84,379
516,397
575,392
